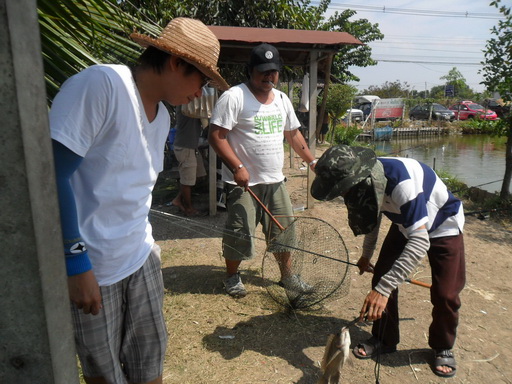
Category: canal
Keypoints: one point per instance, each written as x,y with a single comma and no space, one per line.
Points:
476,160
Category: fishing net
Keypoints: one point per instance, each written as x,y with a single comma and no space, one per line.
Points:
313,257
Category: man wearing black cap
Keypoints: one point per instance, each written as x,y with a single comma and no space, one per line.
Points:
247,129
426,219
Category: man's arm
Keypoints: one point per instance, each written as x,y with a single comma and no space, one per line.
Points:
83,287
298,143
415,249
218,139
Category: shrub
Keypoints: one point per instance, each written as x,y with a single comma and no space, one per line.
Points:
346,134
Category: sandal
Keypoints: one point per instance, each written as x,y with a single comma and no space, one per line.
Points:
445,357
372,348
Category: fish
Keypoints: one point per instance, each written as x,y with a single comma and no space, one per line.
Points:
336,354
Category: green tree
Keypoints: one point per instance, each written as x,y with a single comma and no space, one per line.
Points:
80,33
497,72
339,99
457,80
77,34
287,14
390,89
358,56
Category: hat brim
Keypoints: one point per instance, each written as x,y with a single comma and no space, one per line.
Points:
267,67
327,188
216,80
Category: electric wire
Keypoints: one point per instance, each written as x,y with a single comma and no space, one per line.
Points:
414,11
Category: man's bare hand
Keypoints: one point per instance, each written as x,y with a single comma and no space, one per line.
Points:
374,305
241,177
84,291
364,265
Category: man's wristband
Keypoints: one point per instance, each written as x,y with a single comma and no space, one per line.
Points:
240,166
313,162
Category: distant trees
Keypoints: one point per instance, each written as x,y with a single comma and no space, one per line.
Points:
390,90
457,82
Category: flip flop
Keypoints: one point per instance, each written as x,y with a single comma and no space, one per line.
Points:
445,358
372,347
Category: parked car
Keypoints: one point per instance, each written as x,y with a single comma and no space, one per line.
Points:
469,110
434,111
498,106
355,114
364,103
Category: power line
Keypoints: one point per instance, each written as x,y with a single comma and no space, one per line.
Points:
425,62
415,12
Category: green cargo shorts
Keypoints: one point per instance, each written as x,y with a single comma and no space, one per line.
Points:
244,214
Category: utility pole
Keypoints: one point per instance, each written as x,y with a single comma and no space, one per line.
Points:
36,335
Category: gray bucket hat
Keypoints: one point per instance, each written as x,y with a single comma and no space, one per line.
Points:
357,175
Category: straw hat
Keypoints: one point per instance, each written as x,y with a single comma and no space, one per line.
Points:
192,41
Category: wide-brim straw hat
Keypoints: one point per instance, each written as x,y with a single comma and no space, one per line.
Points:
192,41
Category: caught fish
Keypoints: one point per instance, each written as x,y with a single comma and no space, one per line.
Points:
335,355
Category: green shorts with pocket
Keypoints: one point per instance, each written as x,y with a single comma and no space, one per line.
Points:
245,213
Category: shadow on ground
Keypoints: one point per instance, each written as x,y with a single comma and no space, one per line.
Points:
267,334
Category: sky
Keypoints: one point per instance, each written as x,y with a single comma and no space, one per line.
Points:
436,35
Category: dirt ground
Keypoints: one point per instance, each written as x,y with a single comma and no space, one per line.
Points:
214,338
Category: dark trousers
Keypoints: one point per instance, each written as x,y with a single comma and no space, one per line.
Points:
447,262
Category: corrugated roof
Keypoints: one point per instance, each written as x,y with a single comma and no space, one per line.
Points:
294,45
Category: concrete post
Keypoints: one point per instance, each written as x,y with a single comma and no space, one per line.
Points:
313,99
36,337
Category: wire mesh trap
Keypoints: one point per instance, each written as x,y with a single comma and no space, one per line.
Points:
313,257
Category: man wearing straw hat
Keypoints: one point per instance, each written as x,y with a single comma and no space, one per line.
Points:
426,219
109,127
248,125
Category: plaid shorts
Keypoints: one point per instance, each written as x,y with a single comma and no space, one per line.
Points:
126,341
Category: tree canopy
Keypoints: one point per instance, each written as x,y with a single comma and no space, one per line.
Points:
76,34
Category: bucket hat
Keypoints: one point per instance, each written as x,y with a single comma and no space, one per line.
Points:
192,41
357,175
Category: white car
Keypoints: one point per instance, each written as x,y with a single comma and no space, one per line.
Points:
355,115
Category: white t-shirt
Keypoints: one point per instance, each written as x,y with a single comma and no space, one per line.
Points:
98,114
257,132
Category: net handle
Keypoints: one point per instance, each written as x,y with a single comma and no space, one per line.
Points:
265,209
258,200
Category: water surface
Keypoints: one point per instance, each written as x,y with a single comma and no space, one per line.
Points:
477,160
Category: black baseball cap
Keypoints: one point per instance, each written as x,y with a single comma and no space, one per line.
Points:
265,57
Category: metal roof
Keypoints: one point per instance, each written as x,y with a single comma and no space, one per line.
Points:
294,45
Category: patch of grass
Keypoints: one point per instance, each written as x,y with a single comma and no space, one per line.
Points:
492,206
454,185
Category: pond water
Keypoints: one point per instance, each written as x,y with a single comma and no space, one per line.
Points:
476,160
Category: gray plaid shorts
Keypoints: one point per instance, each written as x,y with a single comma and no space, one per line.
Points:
126,341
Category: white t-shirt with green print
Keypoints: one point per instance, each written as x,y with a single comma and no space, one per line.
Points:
256,132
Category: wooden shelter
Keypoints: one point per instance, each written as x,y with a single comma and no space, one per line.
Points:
310,49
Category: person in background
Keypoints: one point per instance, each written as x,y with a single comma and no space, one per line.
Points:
323,130
191,166
426,219
109,127
247,128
